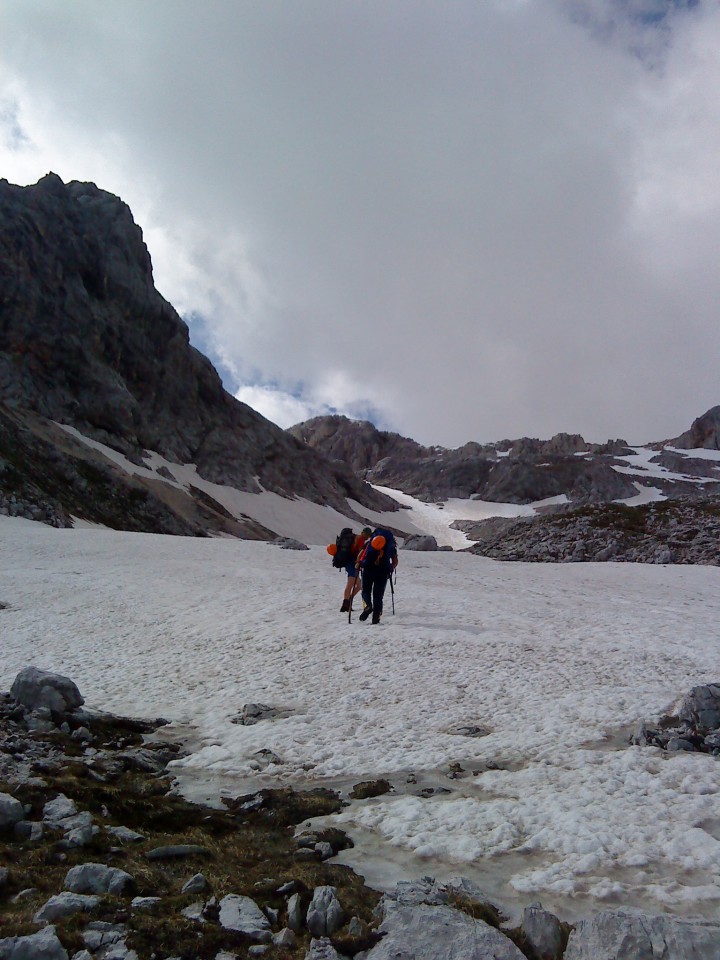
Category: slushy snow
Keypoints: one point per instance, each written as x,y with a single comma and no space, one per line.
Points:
557,662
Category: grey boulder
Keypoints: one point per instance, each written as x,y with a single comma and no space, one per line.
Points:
616,935
59,809
323,949
437,932
325,915
43,945
420,542
543,932
701,708
196,884
125,834
35,688
285,938
290,543
98,878
11,810
294,911
65,905
245,916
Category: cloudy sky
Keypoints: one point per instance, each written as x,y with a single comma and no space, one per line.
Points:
462,219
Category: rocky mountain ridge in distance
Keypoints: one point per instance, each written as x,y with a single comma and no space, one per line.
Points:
516,471
597,513
87,341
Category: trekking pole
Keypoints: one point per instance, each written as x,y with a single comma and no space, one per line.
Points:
352,596
392,593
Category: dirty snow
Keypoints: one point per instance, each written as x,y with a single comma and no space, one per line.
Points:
557,662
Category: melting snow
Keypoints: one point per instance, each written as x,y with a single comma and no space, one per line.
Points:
553,659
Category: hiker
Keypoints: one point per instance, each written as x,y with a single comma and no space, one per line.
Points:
353,585
378,562
345,553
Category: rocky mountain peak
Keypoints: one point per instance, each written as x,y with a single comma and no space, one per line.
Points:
86,340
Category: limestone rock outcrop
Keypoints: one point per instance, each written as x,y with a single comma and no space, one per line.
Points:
86,340
704,433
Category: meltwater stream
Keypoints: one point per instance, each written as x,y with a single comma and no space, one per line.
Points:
383,864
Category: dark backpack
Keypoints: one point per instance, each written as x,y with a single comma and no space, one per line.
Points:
385,554
344,553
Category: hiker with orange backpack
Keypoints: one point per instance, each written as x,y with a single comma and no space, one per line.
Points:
378,562
345,553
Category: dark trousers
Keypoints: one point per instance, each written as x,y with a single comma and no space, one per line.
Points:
374,581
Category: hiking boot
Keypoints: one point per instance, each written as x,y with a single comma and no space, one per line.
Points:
345,606
365,614
376,617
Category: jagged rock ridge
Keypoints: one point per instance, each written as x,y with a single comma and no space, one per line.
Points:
583,482
86,340
513,471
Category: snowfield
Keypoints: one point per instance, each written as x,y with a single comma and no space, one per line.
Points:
557,662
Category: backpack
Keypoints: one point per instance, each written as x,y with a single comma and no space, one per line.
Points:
382,557
345,543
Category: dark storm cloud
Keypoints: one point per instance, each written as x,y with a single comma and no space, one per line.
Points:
479,219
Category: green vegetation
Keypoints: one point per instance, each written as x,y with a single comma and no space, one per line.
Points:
251,854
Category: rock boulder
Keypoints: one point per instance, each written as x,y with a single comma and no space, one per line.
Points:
35,688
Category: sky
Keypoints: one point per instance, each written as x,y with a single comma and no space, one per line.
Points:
464,221
553,664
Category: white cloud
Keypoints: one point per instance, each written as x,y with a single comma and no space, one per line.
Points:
276,405
486,220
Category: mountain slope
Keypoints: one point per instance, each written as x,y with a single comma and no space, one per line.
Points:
86,340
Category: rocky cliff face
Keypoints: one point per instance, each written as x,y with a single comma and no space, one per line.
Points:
704,433
86,340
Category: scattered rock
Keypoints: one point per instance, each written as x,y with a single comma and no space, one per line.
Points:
325,915
98,878
700,709
289,543
124,834
245,916
255,712
11,810
196,911
695,727
144,903
196,884
469,730
324,849
65,905
58,809
370,788
285,938
428,930
294,911
100,933
613,934
543,932
35,688
420,542
43,945
323,949
263,759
